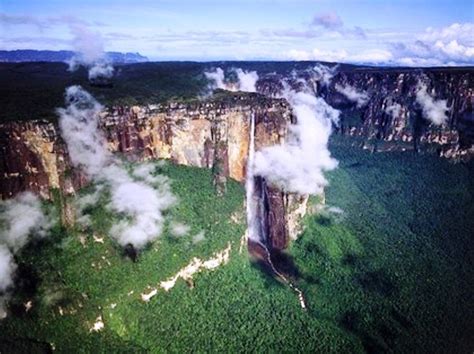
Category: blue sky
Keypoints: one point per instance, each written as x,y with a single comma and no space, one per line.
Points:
417,32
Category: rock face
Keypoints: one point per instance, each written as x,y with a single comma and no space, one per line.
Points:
210,134
32,157
215,134
198,134
375,125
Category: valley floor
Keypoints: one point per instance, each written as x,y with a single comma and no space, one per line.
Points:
392,272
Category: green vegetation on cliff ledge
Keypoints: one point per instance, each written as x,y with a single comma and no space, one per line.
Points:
393,273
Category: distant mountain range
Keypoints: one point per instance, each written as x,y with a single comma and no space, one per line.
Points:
25,55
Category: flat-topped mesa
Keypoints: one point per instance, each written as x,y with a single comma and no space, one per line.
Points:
197,133
207,133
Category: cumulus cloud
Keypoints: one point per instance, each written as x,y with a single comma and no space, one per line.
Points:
246,80
450,45
140,197
298,165
20,219
433,110
361,98
89,52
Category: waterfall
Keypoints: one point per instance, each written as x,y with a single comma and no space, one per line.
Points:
252,222
256,227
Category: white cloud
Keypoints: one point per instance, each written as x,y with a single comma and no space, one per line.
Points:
333,25
246,80
179,229
89,52
199,237
450,45
216,78
299,164
141,197
433,110
328,20
324,74
338,55
20,219
394,109
360,97
7,268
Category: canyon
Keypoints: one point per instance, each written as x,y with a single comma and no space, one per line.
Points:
373,127
210,134
215,133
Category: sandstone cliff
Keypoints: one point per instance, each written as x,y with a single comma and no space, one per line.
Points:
211,134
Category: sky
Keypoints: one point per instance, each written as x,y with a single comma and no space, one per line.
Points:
404,32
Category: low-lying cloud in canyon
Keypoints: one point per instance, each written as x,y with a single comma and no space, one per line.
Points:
21,219
433,110
298,165
140,196
246,80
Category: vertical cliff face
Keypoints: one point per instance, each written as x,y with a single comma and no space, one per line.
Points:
376,126
209,134
33,158
202,134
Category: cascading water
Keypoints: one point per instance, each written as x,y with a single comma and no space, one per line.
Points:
256,228
252,222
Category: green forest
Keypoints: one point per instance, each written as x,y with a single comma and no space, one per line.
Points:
390,271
